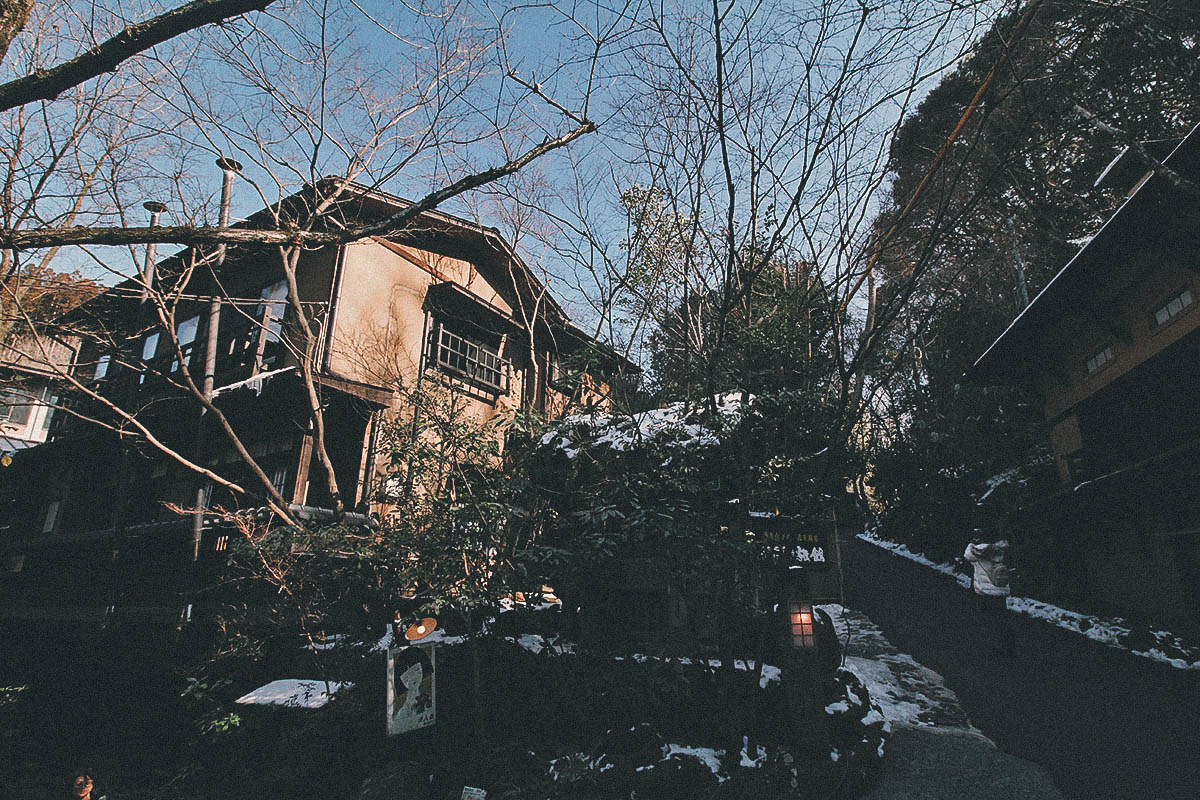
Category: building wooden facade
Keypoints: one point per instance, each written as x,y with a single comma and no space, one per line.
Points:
1111,346
89,513
27,392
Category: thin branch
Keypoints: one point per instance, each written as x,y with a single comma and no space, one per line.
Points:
195,235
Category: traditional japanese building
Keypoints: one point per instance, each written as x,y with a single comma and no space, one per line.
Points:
1111,346
93,520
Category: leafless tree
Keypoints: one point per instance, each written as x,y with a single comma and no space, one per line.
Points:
418,98
753,138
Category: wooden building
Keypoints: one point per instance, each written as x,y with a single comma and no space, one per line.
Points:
27,392
448,301
1111,346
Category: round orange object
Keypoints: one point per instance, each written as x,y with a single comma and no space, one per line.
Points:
419,630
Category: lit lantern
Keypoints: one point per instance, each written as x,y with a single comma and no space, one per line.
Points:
800,616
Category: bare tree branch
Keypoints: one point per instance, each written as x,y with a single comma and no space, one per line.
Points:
1149,161
132,40
197,235
13,16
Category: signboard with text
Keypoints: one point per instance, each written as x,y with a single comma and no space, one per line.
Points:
790,545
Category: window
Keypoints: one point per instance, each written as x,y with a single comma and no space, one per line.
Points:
101,367
49,401
272,308
1099,361
1171,309
270,314
279,479
470,359
185,334
15,406
150,347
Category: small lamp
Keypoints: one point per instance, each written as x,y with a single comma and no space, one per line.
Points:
800,619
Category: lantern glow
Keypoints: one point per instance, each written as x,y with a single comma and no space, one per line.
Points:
801,618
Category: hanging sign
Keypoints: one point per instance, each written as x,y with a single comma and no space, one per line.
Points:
411,675
784,541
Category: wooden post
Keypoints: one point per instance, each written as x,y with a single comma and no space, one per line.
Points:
210,372
300,490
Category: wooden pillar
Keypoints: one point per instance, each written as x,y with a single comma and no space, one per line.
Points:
300,490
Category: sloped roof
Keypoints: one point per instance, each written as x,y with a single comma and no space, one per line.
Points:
433,230
1150,210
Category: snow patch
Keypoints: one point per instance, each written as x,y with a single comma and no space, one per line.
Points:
706,754
293,693
1107,631
536,644
254,383
769,673
759,759
996,481
439,636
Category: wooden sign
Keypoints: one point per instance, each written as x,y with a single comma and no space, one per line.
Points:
789,545
786,542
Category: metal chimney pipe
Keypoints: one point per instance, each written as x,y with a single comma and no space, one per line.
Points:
156,209
230,168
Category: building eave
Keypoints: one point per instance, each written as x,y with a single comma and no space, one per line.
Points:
1005,359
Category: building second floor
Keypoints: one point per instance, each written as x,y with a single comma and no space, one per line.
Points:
352,330
1111,343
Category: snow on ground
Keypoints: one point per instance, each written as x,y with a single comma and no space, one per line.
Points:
293,693
907,692
708,755
902,550
535,643
439,636
1172,651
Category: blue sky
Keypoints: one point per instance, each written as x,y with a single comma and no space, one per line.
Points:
292,92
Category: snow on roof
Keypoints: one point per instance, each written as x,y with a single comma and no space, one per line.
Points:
679,424
293,693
